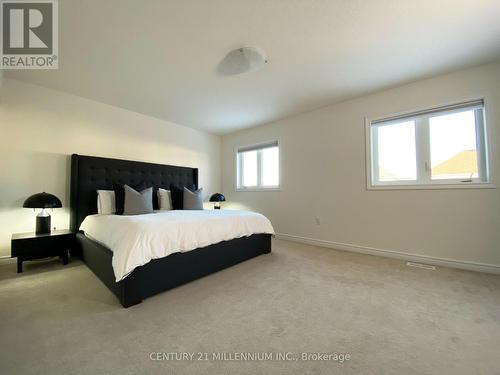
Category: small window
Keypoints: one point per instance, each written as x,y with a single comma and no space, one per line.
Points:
258,167
436,147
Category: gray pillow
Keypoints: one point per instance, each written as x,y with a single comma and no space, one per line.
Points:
193,200
138,203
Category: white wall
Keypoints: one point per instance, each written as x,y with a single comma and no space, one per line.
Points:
40,128
324,176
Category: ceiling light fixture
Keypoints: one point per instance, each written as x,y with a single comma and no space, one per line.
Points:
243,60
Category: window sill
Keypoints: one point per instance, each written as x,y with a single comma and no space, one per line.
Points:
434,187
257,189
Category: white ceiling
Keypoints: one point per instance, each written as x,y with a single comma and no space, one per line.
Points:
160,57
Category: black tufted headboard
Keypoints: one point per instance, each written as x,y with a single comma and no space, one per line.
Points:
89,174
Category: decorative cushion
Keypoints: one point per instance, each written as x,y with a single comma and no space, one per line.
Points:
164,199
177,194
106,204
120,194
138,203
193,200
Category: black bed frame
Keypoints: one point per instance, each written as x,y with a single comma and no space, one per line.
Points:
89,174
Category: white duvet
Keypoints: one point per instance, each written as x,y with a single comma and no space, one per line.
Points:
136,240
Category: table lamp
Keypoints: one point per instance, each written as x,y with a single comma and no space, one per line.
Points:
217,198
43,201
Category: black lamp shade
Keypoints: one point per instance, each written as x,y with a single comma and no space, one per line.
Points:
42,200
217,197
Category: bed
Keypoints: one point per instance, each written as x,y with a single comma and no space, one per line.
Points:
89,174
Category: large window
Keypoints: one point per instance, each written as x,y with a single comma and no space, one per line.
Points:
436,147
258,167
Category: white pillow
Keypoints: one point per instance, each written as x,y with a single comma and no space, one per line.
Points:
164,200
106,204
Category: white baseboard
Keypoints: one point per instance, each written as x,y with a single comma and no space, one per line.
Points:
436,261
7,259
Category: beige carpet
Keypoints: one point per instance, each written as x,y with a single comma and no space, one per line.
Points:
391,319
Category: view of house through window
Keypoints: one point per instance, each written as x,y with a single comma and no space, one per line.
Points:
258,166
439,146
453,146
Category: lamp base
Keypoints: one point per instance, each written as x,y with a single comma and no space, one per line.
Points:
42,224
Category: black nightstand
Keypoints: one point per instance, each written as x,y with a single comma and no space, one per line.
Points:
29,246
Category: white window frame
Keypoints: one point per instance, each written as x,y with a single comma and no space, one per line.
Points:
422,141
239,166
